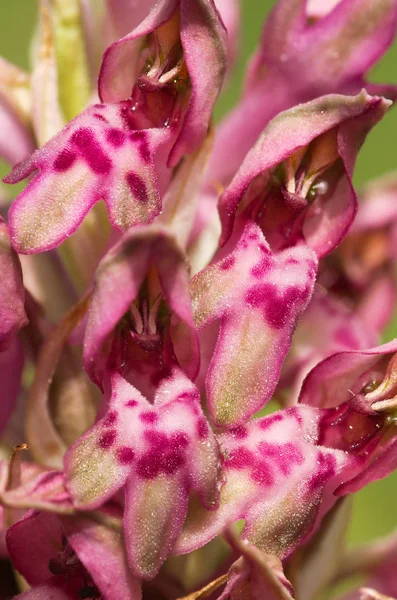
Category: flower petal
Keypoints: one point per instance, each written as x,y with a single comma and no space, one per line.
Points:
161,451
203,40
95,156
12,293
124,269
278,478
298,60
258,298
338,124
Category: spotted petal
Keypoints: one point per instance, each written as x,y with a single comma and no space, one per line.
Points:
277,478
96,156
160,452
258,297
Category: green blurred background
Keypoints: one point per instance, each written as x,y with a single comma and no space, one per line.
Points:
374,510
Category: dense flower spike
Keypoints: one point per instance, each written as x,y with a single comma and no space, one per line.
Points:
296,181
159,452
195,340
258,297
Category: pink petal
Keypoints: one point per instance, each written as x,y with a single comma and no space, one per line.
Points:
203,40
277,478
97,155
12,293
230,14
124,269
101,550
45,529
298,61
325,220
258,298
161,451
338,378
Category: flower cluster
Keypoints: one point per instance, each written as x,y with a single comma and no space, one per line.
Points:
192,377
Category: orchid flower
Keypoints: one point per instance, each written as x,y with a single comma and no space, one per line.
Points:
151,319
191,313
304,54
296,181
153,95
158,453
254,294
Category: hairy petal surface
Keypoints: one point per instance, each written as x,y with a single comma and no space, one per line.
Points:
160,452
277,476
258,297
96,156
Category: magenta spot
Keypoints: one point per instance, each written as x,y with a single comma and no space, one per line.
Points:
140,138
125,455
149,465
90,150
270,420
277,308
193,395
263,248
107,439
137,187
295,414
111,418
100,117
227,263
261,267
178,440
292,261
158,440
262,474
64,160
326,470
149,417
239,432
285,456
253,236
172,462
202,428
131,403
240,458
116,137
